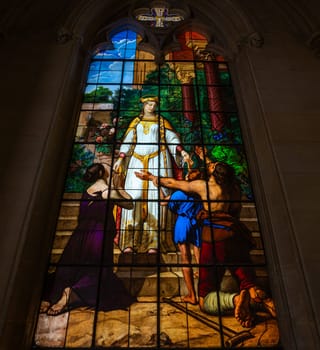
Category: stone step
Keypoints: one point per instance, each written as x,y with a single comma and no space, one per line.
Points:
248,210
251,223
143,280
66,223
171,258
71,208
70,223
147,283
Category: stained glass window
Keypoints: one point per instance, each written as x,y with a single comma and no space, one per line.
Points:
157,242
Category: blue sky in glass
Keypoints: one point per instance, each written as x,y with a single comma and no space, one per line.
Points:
110,70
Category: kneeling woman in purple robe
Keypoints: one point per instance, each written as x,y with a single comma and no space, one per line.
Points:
84,275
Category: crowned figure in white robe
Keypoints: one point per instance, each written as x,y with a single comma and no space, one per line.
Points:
150,143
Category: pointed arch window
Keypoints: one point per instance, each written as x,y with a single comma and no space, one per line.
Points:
137,260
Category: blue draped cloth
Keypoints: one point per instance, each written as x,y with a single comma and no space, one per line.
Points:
187,228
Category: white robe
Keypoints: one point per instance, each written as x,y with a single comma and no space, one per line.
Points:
148,145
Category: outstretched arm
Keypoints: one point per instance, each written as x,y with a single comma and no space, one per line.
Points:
168,182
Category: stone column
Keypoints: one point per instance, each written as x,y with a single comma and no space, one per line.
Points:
214,96
188,101
186,77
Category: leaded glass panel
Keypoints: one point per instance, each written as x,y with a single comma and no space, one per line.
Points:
157,243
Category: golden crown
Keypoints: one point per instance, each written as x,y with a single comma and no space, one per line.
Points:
148,98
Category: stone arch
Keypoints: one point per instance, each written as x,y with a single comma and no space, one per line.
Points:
301,23
83,23
230,29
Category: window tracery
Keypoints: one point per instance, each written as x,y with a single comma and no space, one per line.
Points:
117,266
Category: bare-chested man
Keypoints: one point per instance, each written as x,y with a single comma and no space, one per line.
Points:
224,240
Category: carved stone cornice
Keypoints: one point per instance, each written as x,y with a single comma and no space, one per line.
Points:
64,35
252,40
185,77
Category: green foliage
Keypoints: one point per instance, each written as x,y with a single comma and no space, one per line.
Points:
164,84
231,155
81,158
235,157
100,95
225,77
129,99
104,148
234,129
170,99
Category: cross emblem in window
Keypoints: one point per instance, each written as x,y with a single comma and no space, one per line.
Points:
159,17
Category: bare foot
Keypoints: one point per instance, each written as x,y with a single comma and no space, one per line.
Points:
190,299
61,305
259,296
242,309
128,250
152,251
270,307
44,306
